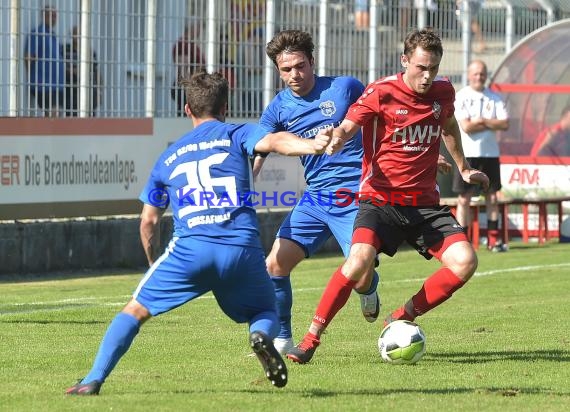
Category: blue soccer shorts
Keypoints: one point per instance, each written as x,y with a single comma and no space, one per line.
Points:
313,220
189,268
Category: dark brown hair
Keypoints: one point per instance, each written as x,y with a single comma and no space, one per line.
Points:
206,94
290,41
426,38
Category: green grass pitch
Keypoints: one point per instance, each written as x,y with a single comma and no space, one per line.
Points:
499,344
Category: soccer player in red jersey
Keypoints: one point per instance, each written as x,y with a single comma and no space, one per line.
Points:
403,117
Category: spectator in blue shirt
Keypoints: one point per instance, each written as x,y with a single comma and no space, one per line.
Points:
45,70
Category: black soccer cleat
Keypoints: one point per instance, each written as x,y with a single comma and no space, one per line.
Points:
270,359
84,389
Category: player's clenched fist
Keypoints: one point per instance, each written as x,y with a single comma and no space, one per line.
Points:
335,145
322,140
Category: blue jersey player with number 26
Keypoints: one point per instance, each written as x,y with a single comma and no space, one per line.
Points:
215,245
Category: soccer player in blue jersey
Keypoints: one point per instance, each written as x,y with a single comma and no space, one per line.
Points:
308,104
205,177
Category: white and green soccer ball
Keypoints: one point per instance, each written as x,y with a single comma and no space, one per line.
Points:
402,342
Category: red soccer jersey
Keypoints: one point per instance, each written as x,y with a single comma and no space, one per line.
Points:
401,137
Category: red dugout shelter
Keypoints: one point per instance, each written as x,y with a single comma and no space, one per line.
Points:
534,80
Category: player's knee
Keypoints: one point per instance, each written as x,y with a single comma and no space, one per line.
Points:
464,264
137,310
461,259
275,267
271,264
356,267
284,256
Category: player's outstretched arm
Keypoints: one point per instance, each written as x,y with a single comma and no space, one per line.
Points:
288,144
149,231
341,134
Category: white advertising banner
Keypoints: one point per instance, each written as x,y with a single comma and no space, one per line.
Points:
63,169
91,160
46,162
535,180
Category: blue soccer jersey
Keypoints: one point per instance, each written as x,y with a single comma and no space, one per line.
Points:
326,105
215,246
205,177
48,66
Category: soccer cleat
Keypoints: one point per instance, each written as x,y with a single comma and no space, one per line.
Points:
499,247
283,345
272,362
304,351
370,306
82,389
398,314
388,319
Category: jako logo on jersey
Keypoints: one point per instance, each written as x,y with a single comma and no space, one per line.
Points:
436,109
416,134
327,108
401,111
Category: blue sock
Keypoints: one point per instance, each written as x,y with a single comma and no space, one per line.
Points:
115,343
284,296
373,284
265,322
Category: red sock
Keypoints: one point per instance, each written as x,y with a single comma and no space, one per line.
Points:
334,298
492,237
492,232
436,289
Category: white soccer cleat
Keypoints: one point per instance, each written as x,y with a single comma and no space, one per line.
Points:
283,345
370,306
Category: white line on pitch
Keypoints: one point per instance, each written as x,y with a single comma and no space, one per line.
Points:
94,302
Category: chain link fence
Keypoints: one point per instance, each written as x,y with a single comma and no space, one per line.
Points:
122,59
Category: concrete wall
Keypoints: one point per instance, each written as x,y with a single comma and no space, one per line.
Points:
97,243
